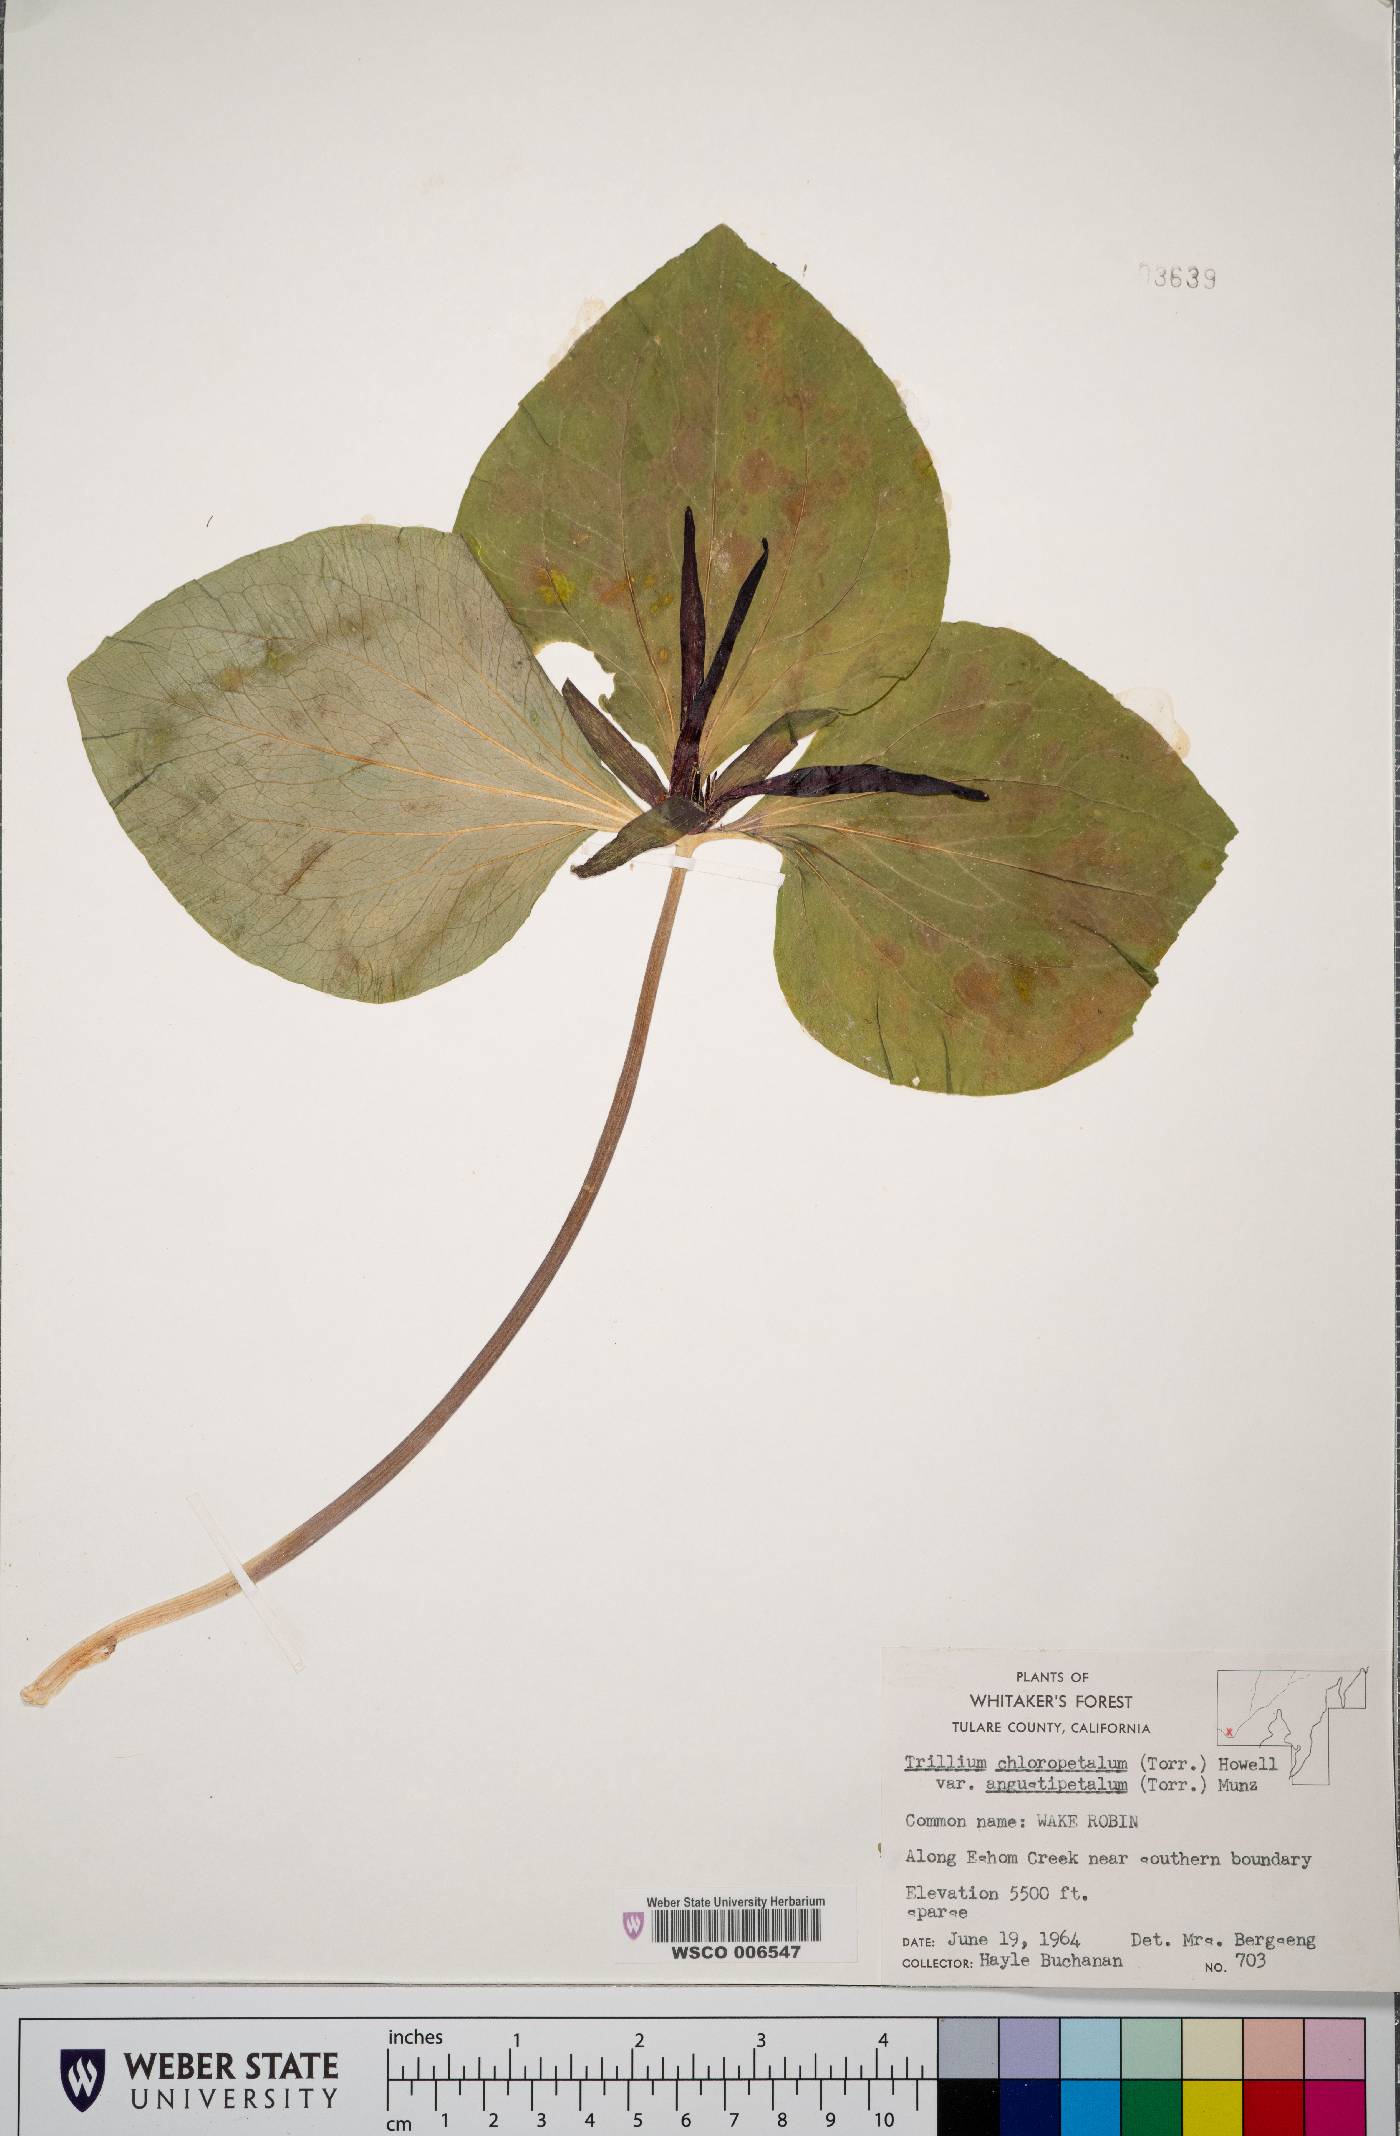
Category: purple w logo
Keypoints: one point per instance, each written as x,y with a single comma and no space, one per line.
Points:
81,2071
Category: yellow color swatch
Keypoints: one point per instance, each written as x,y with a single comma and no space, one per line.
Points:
1211,2106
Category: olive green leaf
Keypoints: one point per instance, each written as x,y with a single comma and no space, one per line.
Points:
718,384
342,760
988,946
666,824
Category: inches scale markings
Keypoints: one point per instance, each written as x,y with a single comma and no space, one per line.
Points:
557,2080
832,2072
978,2076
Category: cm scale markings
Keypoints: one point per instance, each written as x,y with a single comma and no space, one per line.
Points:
899,2076
972,2075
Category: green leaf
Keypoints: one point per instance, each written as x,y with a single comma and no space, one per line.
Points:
666,824
722,385
993,946
340,757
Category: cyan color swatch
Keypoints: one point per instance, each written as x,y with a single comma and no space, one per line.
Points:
1089,2106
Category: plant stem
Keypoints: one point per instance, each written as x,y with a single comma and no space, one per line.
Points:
100,1646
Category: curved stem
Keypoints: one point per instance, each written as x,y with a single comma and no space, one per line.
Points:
100,1646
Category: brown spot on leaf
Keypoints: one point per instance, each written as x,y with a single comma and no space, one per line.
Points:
758,327
757,471
977,986
309,859
231,678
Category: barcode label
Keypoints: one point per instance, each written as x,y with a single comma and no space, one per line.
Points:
736,1924
785,1926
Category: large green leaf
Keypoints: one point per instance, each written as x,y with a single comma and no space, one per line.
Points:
722,385
989,946
341,758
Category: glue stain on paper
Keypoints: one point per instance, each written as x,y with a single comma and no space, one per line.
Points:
1156,707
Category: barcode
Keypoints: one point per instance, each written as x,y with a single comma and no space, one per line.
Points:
736,1924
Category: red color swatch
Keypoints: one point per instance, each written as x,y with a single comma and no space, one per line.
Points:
1273,2107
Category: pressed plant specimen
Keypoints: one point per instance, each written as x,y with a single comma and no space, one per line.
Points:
342,758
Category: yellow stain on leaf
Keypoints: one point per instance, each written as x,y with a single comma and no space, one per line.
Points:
556,591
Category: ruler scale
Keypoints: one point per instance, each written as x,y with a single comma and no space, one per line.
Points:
973,2076
589,2064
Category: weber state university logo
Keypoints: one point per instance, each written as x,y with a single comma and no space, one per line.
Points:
81,2070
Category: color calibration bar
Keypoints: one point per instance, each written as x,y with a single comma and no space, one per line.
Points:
1151,2076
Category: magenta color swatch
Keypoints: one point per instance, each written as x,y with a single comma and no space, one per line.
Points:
1334,2107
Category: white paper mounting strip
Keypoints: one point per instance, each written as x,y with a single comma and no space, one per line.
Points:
711,875
272,1623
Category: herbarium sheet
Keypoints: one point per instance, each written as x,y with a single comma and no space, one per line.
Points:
698,1178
